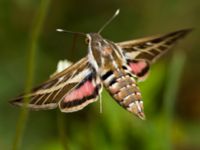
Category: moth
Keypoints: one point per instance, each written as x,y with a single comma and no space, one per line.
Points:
118,67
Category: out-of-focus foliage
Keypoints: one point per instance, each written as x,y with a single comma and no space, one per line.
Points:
172,108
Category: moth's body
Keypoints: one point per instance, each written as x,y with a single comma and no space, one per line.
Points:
116,66
111,66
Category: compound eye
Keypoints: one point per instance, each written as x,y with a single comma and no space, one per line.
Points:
86,40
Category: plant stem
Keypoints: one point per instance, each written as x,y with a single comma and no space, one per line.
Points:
62,130
34,36
174,76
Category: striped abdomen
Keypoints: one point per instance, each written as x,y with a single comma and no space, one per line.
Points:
123,88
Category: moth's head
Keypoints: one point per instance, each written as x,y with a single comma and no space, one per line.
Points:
94,39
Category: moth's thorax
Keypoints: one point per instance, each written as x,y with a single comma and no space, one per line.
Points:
103,52
99,44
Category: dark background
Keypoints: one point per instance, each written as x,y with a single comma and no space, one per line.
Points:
172,123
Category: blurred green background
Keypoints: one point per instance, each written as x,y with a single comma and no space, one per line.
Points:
171,93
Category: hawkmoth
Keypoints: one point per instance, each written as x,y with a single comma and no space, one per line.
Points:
118,67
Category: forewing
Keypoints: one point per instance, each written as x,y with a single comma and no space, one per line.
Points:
151,48
49,94
140,53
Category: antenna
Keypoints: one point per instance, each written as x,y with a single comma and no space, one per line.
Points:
66,31
113,17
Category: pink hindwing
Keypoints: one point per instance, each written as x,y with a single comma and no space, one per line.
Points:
140,68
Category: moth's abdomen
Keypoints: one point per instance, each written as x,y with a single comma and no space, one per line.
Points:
123,88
